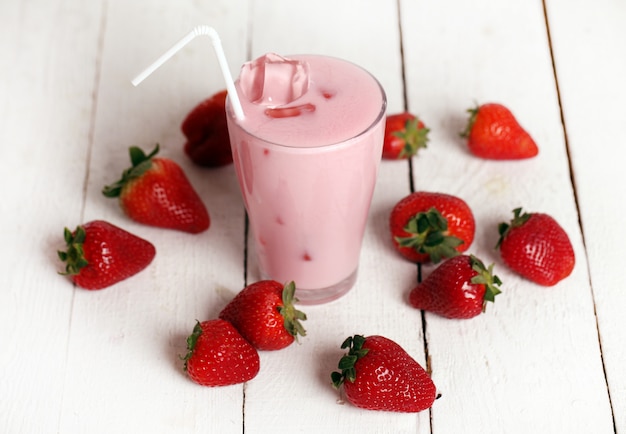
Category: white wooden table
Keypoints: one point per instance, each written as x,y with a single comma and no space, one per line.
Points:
543,360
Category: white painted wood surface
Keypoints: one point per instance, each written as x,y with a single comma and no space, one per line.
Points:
546,360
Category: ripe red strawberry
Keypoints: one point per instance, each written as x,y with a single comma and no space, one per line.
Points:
208,143
493,132
100,254
264,314
378,374
217,355
155,191
536,246
429,226
458,288
404,135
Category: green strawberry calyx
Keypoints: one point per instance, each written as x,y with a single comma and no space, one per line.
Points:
141,163
347,362
74,256
518,220
192,340
429,234
473,113
291,315
485,277
413,137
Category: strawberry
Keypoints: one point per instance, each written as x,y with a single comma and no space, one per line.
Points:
155,191
100,254
208,143
404,135
264,314
429,226
378,374
493,132
458,288
535,246
217,355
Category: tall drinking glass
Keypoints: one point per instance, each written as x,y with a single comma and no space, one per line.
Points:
307,153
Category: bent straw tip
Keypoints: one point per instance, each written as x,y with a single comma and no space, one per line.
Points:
217,46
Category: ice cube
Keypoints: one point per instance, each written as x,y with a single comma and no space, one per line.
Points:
289,112
273,80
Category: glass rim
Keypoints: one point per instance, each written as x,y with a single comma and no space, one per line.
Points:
377,119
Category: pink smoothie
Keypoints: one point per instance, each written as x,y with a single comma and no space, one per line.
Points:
307,154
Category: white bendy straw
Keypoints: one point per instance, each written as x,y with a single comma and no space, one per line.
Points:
202,30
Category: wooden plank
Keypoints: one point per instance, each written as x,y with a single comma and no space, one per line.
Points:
591,69
45,121
495,371
293,390
124,371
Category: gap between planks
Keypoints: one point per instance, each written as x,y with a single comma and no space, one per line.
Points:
576,202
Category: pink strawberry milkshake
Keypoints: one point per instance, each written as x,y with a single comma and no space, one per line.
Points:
307,153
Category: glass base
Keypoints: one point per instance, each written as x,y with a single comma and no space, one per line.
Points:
328,294
323,295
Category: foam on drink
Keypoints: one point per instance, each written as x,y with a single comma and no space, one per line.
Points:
306,101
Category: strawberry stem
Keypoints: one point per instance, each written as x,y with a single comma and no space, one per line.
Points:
413,137
347,362
428,234
470,122
518,220
291,315
192,340
140,164
74,256
485,277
